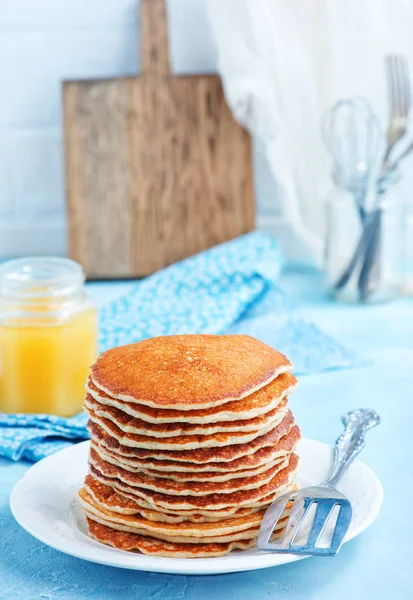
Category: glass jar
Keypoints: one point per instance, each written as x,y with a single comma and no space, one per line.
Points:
353,239
408,283
48,336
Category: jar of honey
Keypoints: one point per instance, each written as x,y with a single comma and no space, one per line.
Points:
48,336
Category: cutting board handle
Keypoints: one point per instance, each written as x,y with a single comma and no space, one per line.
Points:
154,38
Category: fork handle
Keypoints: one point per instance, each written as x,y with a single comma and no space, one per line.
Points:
351,441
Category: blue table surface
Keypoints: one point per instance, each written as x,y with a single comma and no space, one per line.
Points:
378,564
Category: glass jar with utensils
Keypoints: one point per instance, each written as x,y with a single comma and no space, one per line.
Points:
366,220
364,250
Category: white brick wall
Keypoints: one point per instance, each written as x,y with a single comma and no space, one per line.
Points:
43,42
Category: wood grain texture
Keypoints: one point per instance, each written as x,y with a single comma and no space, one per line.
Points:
157,168
154,51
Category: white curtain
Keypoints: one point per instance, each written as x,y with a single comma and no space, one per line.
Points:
284,62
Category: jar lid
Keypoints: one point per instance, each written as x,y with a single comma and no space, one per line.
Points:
40,277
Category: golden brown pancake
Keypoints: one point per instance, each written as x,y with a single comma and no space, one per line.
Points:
213,501
188,475
157,528
229,537
227,511
262,457
115,499
106,497
177,443
258,403
199,455
228,530
147,545
133,425
183,488
188,372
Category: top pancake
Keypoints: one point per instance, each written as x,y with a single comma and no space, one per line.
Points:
187,372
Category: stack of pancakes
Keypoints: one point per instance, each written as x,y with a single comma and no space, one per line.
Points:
191,440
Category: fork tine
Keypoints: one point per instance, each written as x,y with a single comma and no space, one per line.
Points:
292,522
307,503
390,84
406,84
342,524
271,518
396,87
400,86
397,109
402,82
324,510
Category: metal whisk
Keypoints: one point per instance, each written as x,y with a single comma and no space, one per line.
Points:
354,137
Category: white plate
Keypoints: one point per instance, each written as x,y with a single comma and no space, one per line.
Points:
44,503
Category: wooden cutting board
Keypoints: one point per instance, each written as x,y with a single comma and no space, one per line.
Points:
157,169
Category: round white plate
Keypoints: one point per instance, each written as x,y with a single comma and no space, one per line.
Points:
44,503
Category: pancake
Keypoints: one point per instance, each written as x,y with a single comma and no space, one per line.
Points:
108,498
118,501
136,523
183,488
187,372
230,537
260,458
187,476
199,455
258,403
183,442
147,545
139,524
224,512
133,425
155,515
214,501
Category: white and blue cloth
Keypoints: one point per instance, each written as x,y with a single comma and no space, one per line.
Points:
231,288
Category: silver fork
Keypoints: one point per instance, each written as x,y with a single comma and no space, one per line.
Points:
397,72
398,83
325,496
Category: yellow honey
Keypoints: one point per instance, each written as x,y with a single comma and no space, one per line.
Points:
48,336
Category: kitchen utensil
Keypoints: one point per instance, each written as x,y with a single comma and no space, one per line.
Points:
353,135
347,241
60,522
157,168
324,496
399,86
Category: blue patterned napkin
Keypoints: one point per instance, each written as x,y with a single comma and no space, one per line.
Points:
230,288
